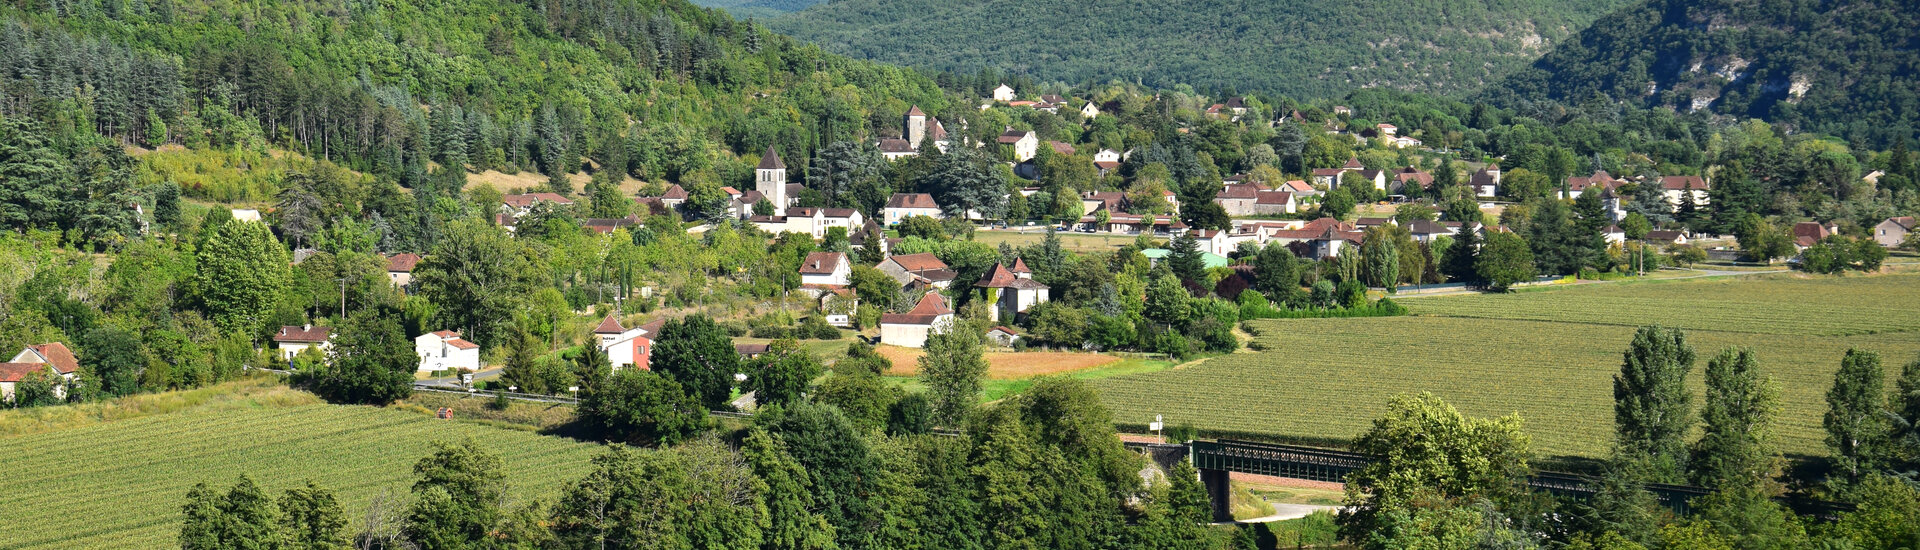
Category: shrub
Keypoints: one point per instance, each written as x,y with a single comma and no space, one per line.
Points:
818,328
734,329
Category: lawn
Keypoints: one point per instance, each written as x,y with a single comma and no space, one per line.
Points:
120,483
1551,360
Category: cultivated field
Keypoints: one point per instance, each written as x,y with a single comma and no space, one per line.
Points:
1003,365
1077,242
1552,360
120,484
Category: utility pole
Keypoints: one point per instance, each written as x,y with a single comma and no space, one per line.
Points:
343,298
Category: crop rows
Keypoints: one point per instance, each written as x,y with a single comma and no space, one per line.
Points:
1779,305
1325,379
120,484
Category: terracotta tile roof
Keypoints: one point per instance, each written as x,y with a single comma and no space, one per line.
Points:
771,161
930,308
895,145
915,111
444,334
911,200
1602,178
402,262
674,192
1327,171
610,325
1013,136
924,261
1020,264
1808,229
822,263
15,372
1238,191
1001,277
1664,236
1415,176
1677,183
1061,148
607,225
307,333
1905,222
1297,186
1273,197
462,344
57,354
1353,163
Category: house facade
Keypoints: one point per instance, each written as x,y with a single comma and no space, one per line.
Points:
825,269
900,206
626,348
446,350
922,269
911,329
1012,291
1893,231
293,340
400,268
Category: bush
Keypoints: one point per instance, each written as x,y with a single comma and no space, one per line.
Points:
734,329
774,332
818,328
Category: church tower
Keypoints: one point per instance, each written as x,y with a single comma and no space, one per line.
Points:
770,179
914,128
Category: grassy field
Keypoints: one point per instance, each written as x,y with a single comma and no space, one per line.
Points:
1549,355
119,483
1077,242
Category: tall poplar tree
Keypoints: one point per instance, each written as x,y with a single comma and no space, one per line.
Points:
1652,410
1735,452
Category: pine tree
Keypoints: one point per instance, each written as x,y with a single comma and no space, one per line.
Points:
1183,256
1457,262
1652,410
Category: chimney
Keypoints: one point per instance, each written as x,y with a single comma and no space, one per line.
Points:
308,326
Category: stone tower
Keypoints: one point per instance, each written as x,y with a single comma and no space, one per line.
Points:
770,179
914,128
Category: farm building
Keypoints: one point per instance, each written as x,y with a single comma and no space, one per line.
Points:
293,340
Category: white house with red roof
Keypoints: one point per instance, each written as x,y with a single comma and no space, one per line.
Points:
827,269
54,359
518,205
1024,144
446,350
1012,292
1676,187
900,206
293,340
627,348
910,329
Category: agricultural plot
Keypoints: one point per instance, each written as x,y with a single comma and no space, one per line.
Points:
1773,305
120,484
1323,380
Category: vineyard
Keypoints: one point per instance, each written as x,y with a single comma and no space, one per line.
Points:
120,484
1323,380
1775,305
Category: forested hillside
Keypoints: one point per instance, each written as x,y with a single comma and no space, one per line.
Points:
1844,67
1317,48
660,89
759,8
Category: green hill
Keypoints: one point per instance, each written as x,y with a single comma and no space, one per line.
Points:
1842,67
660,88
1312,48
759,8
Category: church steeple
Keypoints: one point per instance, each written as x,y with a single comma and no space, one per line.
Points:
770,179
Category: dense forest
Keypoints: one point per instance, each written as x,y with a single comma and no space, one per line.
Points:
396,89
1848,68
1311,49
759,8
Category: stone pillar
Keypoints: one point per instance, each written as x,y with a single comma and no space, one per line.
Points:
1218,493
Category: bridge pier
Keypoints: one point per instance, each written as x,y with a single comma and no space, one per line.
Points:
1219,494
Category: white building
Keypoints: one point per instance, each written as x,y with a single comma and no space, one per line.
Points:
1015,288
825,268
911,329
1024,144
1003,93
446,350
900,206
293,340
1675,187
770,179
626,348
